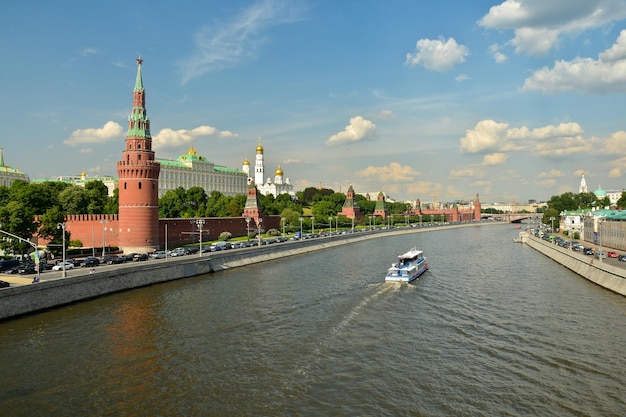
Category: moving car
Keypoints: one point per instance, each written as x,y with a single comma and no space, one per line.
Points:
4,284
611,254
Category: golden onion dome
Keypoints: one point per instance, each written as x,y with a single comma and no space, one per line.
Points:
259,148
278,172
246,162
192,151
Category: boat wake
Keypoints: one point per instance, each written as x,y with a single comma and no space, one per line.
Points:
380,290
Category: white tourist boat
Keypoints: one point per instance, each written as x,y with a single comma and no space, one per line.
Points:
410,265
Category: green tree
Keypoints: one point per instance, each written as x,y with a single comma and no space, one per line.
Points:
98,196
585,200
322,210
563,202
548,215
74,200
171,204
17,219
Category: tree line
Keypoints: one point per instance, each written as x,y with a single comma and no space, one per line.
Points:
582,201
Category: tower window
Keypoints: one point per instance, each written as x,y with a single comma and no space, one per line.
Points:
140,185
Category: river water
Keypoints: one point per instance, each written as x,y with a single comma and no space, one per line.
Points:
493,329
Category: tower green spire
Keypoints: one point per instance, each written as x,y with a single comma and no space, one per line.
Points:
139,81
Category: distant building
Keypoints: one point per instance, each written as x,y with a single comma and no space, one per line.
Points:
582,188
280,184
613,195
194,170
82,179
8,175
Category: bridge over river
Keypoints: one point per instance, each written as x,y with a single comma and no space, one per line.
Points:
510,217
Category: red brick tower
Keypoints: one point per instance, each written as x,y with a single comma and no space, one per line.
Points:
138,180
477,215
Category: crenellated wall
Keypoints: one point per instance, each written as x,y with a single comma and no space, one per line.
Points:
96,230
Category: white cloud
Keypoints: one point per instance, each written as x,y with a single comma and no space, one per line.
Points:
551,140
466,173
437,54
89,51
498,56
607,74
539,24
110,132
224,44
386,115
394,172
486,135
358,130
554,173
171,139
462,77
497,158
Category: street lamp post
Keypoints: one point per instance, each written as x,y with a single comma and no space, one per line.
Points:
248,228
282,219
62,226
312,224
200,223
552,224
420,220
330,223
300,227
337,224
104,229
259,224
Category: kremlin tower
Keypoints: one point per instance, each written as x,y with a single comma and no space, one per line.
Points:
138,180
258,165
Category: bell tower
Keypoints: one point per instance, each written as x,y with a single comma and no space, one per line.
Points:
138,174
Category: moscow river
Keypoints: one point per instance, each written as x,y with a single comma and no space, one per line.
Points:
493,329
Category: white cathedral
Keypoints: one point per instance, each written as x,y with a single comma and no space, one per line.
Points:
280,185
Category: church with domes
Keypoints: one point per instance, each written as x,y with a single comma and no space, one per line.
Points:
276,186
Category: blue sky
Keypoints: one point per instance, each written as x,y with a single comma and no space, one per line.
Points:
511,99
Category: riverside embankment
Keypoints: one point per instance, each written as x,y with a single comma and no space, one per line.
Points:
591,268
54,291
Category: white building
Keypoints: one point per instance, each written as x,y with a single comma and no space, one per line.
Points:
279,185
193,170
8,175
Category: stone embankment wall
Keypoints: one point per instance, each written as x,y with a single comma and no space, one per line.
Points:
49,293
599,272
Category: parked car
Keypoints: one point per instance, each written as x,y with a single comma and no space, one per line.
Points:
160,254
59,266
90,262
4,284
140,257
621,258
178,252
27,269
190,250
600,255
612,254
588,251
113,260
